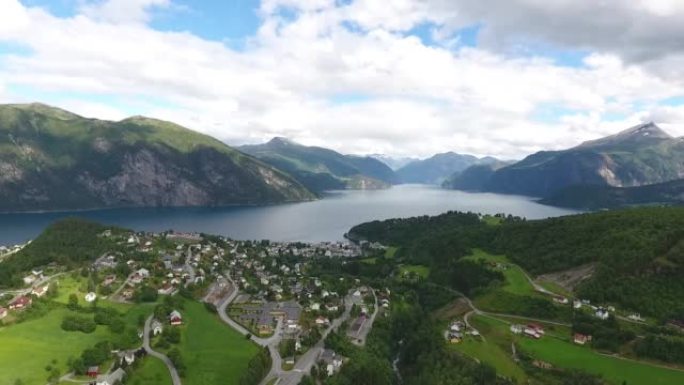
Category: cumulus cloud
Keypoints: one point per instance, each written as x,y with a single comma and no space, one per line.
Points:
342,75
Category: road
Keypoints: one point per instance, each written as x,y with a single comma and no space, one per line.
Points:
18,293
175,378
271,342
188,267
307,361
367,325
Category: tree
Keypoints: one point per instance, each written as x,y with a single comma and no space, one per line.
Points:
73,302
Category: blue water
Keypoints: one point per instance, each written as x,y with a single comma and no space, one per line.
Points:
322,220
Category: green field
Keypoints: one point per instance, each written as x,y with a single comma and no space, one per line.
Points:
493,355
390,252
565,354
419,270
516,280
150,372
213,352
27,348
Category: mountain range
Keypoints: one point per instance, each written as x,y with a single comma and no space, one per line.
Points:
321,169
436,169
639,156
52,159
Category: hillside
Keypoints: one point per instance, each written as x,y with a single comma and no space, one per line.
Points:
594,197
436,169
637,253
321,169
474,177
52,159
638,156
68,242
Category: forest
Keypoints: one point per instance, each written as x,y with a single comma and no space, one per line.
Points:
638,253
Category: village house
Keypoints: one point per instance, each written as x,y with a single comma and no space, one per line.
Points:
175,318
90,297
581,339
21,302
166,289
331,360
602,313
156,327
108,280
560,300
40,291
93,371
517,329
112,378
533,331
322,321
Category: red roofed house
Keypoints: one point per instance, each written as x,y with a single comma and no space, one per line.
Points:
175,318
20,303
534,331
581,339
93,371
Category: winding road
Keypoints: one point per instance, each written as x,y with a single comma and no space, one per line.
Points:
175,378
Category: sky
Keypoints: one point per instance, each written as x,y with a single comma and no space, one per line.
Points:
399,77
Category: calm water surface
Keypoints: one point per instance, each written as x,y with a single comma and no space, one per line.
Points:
322,220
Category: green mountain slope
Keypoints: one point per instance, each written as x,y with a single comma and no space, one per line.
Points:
473,178
638,156
594,197
322,169
638,254
53,159
436,169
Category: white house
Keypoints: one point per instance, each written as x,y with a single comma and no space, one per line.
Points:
157,327
602,313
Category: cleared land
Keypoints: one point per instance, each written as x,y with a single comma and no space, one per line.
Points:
516,280
150,372
419,270
212,351
563,353
27,348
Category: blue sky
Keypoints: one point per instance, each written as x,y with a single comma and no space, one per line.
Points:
355,75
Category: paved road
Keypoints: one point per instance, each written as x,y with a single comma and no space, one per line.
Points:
188,267
271,342
307,361
146,344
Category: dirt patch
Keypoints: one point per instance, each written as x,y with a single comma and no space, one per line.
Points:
453,309
571,278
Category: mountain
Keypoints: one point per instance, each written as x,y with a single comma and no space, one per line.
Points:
321,169
436,169
638,156
52,159
394,163
595,197
474,177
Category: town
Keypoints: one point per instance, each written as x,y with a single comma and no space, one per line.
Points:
261,289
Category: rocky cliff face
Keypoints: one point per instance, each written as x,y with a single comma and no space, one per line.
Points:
637,156
50,159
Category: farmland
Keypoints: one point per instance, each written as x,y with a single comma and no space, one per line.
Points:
213,352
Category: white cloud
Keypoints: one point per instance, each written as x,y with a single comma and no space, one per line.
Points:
122,11
404,97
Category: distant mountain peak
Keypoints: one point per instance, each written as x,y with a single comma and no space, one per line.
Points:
641,132
281,141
